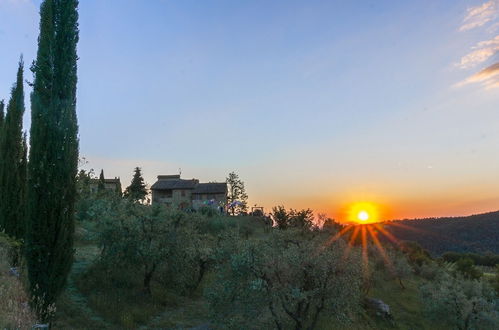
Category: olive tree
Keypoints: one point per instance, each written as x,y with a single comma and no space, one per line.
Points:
284,281
463,303
155,242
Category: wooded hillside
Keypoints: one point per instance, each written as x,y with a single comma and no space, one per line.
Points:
477,233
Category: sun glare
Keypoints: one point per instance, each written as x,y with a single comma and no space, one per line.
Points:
363,212
363,216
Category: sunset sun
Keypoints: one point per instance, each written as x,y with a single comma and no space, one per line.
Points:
363,212
363,216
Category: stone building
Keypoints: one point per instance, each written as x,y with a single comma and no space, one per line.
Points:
189,193
109,184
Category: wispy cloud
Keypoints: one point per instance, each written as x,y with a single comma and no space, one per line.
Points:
480,15
488,77
480,53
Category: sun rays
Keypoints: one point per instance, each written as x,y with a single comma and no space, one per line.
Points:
364,235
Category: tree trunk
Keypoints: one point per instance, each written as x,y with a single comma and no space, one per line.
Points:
147,280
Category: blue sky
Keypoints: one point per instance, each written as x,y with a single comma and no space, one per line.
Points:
314,103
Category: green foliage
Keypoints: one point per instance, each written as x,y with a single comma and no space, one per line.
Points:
2,114
284,219
280,217
13,163
236,193
399,267
495,280
430,271
154,239
476,233
136,191
301,218
416,255
53,159
208,211
467,268
283,281
483,260
461,303
328,224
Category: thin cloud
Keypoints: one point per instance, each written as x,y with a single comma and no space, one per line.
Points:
488,77
479,15
481,53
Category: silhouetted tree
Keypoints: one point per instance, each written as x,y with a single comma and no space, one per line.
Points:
102,182
136,191
53,160
301,218
236,197
12,178
280,217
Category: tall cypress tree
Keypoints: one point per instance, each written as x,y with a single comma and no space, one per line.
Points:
53,159
102,182
11,177
2,115
2,105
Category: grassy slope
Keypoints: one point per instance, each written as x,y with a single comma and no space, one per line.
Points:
94,303
14,312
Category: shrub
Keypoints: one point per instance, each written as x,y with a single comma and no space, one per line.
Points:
467,268
208,211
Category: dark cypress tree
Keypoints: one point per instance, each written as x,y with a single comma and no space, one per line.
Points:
53,159
2,115
11,177
102,182
2,105
136,191
23,170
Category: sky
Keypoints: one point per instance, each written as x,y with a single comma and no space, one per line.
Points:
315,104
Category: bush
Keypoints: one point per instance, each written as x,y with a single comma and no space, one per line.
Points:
208,211
467,268
429,271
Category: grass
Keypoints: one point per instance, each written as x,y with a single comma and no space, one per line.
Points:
405,305
14,310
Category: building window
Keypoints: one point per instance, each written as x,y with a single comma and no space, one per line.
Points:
183,193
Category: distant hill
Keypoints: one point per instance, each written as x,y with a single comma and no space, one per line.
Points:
476,233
